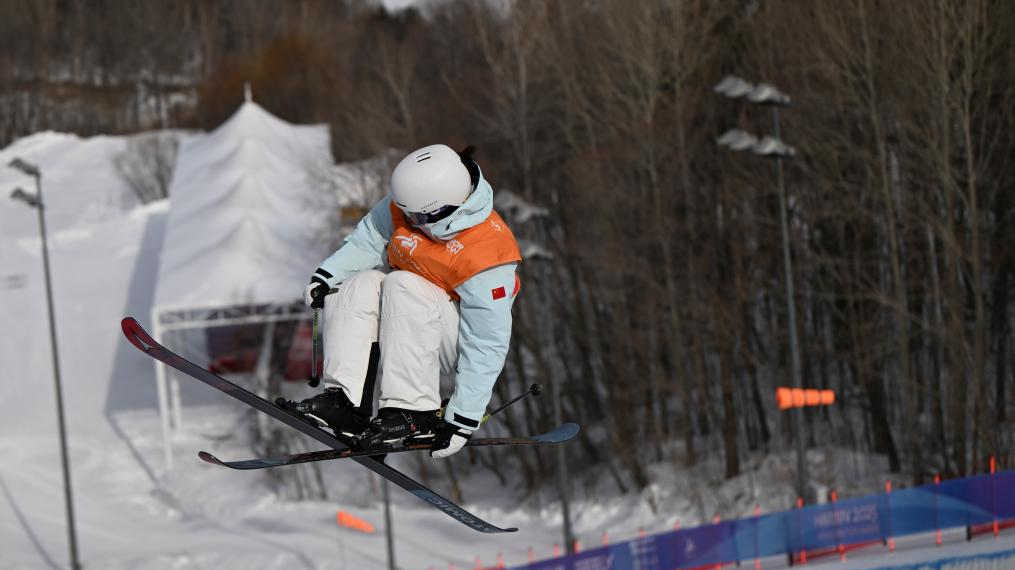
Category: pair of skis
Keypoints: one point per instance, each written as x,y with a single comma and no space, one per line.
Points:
559,435
339,450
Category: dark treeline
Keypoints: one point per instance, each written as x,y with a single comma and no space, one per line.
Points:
662,311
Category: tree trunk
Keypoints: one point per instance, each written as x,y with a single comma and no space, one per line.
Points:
730,424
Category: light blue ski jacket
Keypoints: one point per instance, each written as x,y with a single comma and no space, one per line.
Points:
484,329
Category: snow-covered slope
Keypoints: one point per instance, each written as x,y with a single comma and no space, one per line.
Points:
132,513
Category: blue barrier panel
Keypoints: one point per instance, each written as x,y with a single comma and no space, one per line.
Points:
641,553
756,537
852,521
655,552
746,540
616,557
965,502
958,503
1005,487
914,510
772,536
700,546
982,498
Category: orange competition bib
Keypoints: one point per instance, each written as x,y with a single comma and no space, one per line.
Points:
451,263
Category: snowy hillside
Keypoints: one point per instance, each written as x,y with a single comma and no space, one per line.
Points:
130,512
133,513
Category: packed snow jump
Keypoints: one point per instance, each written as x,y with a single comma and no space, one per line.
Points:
421,291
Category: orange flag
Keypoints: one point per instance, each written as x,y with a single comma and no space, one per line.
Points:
799,397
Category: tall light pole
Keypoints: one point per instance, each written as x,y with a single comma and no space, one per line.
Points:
389,532
764,94
35,201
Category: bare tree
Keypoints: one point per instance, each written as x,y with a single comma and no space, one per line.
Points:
146,165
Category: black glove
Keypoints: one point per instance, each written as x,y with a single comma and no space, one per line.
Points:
314,294
448,440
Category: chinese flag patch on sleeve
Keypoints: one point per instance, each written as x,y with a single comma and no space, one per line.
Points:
499,293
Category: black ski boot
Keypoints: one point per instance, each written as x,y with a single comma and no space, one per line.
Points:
332,409
396,425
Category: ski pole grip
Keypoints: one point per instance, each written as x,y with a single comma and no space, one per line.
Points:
317,295
321,292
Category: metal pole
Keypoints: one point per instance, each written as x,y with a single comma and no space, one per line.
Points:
174,403
798,413
534,390
315,380
67,494
162,390
388,531
562,473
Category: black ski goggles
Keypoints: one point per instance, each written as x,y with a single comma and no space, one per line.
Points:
421,218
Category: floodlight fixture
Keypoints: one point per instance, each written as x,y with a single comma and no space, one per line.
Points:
26,167
733,87
20,195
766,94
736,139
773,147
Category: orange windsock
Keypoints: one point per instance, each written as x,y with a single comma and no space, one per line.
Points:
355,523
799,397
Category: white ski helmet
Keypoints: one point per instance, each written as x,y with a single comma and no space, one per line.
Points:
430,183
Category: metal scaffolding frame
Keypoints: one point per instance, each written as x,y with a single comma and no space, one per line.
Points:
166,320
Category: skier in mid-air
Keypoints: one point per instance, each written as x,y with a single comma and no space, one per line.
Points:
429,274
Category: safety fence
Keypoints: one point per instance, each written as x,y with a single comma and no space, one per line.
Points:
984,502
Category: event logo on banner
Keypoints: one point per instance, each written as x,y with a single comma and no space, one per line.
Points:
847,522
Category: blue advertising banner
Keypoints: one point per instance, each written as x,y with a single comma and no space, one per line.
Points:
957,503
847,522
1005,486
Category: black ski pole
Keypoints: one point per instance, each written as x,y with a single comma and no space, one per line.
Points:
315,380
533,390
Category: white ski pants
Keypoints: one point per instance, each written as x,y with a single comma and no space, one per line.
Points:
416,323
